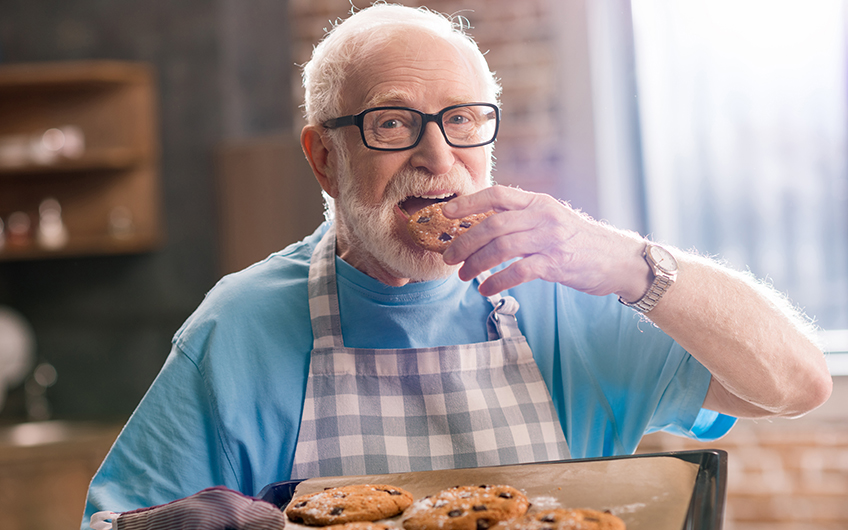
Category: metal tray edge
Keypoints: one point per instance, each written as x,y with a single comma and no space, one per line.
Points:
706,508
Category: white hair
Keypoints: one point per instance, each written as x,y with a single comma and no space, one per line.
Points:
324,74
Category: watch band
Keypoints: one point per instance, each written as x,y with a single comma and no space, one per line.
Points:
664,277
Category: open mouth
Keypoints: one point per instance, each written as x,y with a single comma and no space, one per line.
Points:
412,204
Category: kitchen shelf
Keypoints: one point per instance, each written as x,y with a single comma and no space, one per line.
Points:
108,185
115,158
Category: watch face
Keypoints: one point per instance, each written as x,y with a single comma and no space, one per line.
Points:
663,258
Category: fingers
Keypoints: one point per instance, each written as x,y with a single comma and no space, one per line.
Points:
497,235
542,237
521,271
536,239
497,198
527,223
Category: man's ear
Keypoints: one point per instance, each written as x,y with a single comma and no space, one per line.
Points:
317,149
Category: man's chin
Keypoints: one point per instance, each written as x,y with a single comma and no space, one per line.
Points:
382,235
419,265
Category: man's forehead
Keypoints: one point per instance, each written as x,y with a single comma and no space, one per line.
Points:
412,69
403,98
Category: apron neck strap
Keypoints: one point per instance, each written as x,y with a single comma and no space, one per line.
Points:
323,296
501,323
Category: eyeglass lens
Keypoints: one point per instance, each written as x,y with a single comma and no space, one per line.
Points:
400,128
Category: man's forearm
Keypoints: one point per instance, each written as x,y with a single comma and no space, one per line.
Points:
759,349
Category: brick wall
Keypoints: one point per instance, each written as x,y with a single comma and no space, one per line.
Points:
783,474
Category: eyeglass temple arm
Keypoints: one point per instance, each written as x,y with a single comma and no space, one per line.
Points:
340,122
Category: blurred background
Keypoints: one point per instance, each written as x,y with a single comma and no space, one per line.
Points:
149,147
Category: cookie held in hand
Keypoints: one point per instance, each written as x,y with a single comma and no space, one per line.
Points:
564,519
345,504
431,230
466,508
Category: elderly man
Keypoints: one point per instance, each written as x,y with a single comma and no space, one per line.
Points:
355,351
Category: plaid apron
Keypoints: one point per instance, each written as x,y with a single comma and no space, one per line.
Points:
370,411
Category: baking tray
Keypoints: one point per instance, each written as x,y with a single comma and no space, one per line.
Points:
705,508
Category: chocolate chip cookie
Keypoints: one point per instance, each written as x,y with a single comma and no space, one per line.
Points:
344,504
361,525
430,229
565,519
466,508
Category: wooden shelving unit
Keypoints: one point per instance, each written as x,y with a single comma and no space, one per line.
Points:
109,191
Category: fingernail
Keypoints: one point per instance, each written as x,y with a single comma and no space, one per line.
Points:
449,208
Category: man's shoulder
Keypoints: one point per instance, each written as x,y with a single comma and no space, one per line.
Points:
252,300
280,271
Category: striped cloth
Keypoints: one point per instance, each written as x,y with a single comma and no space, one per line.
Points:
216,508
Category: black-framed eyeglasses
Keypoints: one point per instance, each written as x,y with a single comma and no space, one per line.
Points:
399,128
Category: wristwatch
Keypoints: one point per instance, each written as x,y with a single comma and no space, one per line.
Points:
664,267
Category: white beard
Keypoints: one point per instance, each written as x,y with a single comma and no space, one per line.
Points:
373,229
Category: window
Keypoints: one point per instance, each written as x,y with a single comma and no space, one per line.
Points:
744,133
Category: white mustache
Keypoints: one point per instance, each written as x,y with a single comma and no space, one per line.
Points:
412,182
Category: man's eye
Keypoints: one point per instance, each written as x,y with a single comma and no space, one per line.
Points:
457,119
393,123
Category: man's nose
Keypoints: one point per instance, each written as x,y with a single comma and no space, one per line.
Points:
433,152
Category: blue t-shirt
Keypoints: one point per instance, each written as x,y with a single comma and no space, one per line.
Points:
225,409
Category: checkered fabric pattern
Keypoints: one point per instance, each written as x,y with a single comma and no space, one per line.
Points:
389,411
323,297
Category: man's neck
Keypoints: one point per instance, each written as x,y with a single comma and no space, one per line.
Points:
355,255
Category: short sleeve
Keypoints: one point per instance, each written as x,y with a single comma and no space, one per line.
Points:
679,410
168,447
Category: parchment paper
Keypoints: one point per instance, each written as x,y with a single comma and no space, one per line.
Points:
649,493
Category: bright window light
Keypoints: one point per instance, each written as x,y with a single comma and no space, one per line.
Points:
744,128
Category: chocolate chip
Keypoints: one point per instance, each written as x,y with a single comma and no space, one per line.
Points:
301,504
479,508
445,237
505,495
483,524
422,220
548,518
454,513
337,510
465,224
